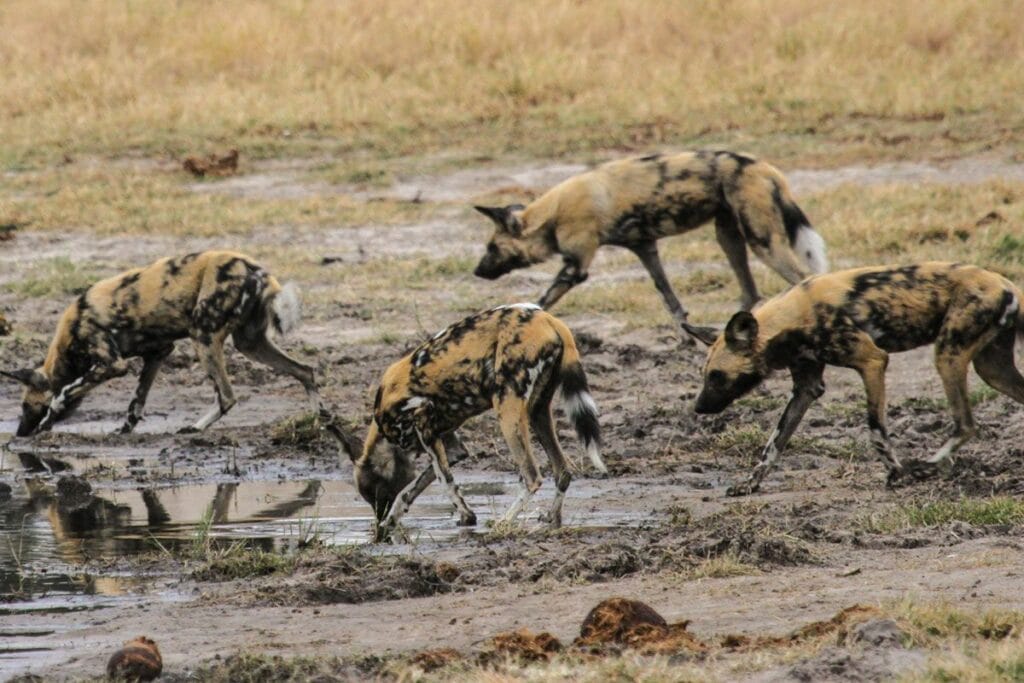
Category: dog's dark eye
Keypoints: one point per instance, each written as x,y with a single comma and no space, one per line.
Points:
716,377
492,249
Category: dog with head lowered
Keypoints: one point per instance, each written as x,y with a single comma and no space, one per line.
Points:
855,319
511,359
141,313
633,203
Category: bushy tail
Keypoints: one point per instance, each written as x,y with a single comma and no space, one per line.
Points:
579,404
285,307
805,240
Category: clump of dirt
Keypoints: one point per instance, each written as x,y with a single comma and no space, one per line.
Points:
841,624
636,625
521,645
354,576
138,660
253,667
431,660
213,164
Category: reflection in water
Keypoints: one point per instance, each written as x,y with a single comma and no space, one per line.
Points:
44,542
45,531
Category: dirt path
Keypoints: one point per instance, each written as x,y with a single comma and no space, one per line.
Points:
981,574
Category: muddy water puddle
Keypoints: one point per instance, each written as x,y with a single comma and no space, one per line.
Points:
52,529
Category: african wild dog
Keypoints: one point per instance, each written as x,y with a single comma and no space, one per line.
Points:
855,318
510,358
142,312
633,203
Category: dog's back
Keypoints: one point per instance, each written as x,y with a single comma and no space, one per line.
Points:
900,307
463,367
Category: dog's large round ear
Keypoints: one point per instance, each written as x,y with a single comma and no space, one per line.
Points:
741,332
29,377
504,217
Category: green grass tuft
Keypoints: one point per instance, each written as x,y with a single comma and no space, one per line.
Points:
997,510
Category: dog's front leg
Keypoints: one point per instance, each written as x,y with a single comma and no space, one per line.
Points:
150,368
75,390
439,459
808,386
569,276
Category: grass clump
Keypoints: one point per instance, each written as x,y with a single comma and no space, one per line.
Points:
721,566
243,563
997,510
301,431
55,277
746,440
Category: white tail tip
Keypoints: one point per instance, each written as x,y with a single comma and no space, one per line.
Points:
287,308
810,247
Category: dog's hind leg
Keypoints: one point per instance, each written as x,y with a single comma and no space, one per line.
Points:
808,386
995,365
544,427
735,248
514,419
965,334
256,346
953,371
211,357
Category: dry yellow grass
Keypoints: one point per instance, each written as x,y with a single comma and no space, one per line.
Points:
545,77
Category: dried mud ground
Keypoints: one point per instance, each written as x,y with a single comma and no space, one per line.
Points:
823,534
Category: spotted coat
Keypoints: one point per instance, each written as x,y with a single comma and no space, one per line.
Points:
856,318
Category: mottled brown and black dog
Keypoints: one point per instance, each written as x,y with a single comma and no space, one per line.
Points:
510,359
855,319
633,203
142,312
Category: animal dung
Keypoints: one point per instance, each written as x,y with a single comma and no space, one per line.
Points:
213,164
636,625
139,659
523,645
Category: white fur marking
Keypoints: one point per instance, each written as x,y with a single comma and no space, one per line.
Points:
581,404
518,504
1011,311
287,307
595,458
413,403
811,248
524,306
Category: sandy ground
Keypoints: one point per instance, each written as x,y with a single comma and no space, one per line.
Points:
804,533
